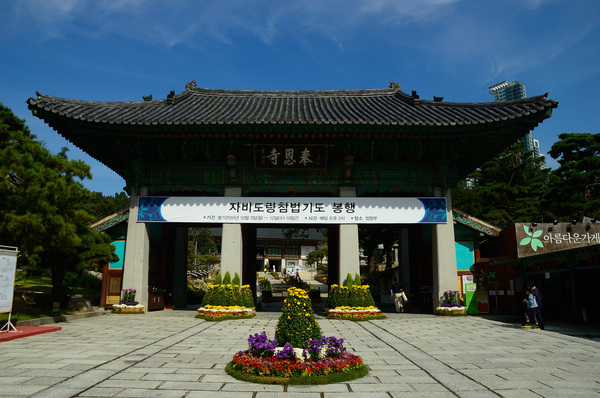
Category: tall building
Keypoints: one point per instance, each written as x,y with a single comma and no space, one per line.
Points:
510,91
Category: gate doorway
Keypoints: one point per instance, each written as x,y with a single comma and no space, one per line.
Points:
279,253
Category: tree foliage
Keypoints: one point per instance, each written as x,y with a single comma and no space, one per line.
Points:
507,189
371,237
513,187
575,188
43,205
101,206
317,256
201,245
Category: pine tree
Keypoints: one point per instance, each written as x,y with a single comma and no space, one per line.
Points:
43,206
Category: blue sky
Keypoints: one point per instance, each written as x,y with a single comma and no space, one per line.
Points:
121,50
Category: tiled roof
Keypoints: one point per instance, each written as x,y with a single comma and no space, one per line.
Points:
201,106
111,221
475,223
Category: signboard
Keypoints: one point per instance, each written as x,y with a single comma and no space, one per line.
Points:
548,237
471,298
8,267
290,157
291,210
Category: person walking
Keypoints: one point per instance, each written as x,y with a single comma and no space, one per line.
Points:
532,310
397,293
539,298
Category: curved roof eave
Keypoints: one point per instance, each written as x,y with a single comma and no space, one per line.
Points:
198,106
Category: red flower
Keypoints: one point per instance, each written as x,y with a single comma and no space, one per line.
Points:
272,366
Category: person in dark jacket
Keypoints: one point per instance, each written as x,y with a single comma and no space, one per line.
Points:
539,298
397,293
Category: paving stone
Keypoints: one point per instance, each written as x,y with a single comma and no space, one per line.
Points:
145,393
337,387
102,392
409,355
355,387
252,387
191,386
19,391
361,394
171,377
121,383
222,394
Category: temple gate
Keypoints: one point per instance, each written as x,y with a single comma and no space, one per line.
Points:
335,148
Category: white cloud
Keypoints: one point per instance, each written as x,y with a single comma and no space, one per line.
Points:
451,31
181,21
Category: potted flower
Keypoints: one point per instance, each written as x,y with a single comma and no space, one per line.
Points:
128,304
227,301
352,303
266,290
314,293
450,304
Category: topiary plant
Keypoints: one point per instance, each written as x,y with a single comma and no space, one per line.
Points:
236,280
227,278
247,298
211,296
297,323
349,281
333,297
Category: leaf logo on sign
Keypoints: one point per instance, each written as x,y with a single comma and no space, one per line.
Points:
532,238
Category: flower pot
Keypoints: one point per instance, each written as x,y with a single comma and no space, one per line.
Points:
128,310
451,311
267,296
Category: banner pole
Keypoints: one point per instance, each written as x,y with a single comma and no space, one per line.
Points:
7,328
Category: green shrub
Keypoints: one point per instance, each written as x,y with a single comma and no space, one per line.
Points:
226,295
231,295
337,297
297,322
218,279
236,280
211,296
357,281
265,284
227,279
356,296
247,298
349,281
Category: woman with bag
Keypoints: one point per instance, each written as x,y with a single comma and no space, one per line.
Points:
397,294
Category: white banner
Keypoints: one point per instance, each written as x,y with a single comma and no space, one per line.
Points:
8,268
292,210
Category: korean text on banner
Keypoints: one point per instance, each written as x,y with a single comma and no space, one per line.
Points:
8,267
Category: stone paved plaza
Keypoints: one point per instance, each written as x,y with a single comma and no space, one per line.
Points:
172,354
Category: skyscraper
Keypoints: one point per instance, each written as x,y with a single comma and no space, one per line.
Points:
510,91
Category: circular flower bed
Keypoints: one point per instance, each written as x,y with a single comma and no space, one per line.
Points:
324,361
220,313
356,313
